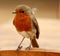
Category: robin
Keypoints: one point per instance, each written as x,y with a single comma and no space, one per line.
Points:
26,24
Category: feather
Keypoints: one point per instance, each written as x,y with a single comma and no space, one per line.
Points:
35,23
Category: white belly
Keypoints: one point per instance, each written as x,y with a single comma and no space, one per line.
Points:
28,34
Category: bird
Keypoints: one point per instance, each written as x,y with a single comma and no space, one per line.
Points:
26,25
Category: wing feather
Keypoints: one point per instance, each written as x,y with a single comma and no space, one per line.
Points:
35,23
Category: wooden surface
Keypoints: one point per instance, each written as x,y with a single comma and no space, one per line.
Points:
33,52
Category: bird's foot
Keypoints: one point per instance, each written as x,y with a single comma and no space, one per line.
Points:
28,48
19,47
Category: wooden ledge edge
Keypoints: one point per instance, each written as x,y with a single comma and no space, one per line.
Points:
33,50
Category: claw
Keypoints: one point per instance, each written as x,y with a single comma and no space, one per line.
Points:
19,47
28,48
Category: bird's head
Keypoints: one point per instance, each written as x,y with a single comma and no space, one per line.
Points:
21,9
24,9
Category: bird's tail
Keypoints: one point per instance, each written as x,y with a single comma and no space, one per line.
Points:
34,43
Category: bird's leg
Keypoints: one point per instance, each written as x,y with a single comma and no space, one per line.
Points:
19,47
29,47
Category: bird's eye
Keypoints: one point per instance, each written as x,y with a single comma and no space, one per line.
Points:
21,11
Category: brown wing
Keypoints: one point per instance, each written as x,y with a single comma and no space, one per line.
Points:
35,23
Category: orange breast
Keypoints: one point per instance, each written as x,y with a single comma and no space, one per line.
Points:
22,22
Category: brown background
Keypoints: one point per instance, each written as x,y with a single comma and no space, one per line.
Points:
47,8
